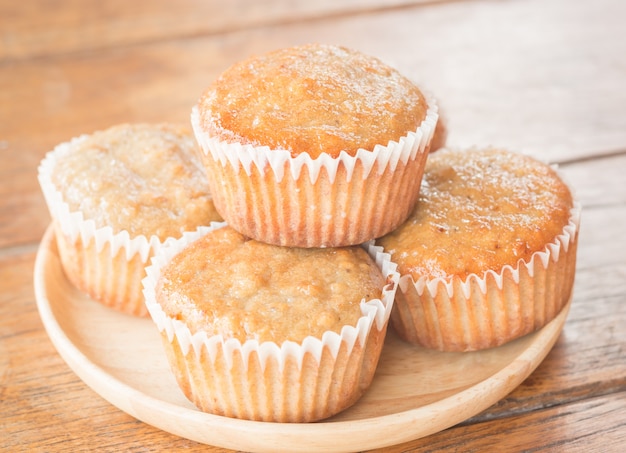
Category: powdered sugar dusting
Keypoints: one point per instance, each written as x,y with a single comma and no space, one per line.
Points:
142,178
314,99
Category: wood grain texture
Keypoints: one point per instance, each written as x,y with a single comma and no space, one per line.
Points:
528,101
42,28
592,425
542,77
37,387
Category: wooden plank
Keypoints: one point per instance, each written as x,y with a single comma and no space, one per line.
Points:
598,181
44,28
574,428
497,85
539,111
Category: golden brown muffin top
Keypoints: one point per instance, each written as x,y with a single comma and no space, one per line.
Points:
225,283
312,99
144,178
479,210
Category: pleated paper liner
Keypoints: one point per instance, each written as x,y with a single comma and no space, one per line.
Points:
484,311
288,382
272,197
107,266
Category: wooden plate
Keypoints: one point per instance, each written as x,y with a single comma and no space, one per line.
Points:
416,392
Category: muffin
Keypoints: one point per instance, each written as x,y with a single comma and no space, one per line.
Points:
487,255
262,332
115,197
314,145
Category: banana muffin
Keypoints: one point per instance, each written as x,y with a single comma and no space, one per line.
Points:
314,145
116,196
263,332
489,252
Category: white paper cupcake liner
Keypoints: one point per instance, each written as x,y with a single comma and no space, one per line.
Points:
483,311
323,202
281,162
310,380
107,266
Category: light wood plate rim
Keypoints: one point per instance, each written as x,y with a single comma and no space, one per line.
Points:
366,431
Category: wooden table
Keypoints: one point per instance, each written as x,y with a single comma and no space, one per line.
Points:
544,77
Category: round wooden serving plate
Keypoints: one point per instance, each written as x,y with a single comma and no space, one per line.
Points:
416,392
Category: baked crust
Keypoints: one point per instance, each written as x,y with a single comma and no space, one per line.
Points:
225,283
489,253
479,210
312,99
147,179
220,282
